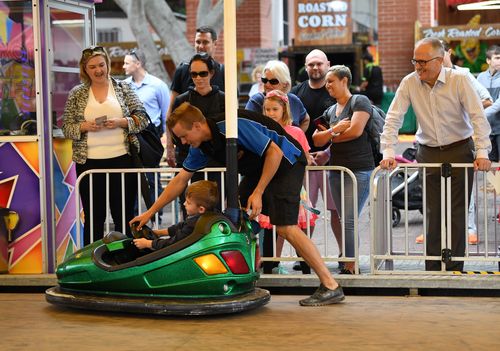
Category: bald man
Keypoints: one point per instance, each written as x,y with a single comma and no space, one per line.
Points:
316,100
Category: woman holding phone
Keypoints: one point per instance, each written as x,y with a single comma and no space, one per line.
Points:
350,148
99,116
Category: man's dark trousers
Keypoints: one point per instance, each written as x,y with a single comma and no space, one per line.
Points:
456,153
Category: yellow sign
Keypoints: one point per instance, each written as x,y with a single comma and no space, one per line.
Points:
451,33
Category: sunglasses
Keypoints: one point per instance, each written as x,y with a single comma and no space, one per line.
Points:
202,74
273,81
91,50
133,52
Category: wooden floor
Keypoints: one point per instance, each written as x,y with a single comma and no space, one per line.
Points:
28,322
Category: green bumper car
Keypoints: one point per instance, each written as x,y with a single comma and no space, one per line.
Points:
212,271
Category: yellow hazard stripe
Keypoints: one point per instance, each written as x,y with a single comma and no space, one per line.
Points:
475,272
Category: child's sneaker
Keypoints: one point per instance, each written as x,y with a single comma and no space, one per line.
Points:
472,239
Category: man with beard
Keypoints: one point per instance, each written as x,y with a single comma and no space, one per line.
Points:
453,129
316,100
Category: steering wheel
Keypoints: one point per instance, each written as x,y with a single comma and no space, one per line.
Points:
145,232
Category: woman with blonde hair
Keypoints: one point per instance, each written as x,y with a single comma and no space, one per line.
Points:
276,75
257,86
101,117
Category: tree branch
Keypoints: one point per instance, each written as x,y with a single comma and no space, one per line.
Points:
163,20
137,19
212,16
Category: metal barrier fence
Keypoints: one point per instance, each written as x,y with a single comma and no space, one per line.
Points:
164,173
326,243
394,249
172,214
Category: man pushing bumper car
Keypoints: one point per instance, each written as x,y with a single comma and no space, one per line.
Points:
272,165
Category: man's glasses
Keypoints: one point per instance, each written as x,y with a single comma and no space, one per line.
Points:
422,63
202,74
91,50
273,81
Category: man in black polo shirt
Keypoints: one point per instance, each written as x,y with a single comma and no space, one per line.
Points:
205,40
316,100
272,165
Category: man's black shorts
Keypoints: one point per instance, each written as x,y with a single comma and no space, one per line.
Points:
281,199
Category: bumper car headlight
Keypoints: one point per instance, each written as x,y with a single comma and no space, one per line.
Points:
210,264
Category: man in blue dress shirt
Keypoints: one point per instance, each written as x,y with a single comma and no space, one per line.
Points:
155,96
152,91
452,129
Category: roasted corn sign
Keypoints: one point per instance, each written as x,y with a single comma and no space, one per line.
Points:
322,22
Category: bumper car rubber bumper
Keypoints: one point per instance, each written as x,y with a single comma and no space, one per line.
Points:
157,305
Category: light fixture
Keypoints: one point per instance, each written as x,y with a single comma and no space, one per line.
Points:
482,5
69,22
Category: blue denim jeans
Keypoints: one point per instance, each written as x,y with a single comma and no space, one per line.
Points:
363,181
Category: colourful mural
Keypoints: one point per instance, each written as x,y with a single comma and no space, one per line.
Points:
20,191
65,203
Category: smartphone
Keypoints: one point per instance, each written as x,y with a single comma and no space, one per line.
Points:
100,120
321,120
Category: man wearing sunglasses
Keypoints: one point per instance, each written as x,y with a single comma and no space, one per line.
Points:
452,129
205,40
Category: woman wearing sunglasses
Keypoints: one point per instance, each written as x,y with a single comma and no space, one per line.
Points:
276,75
206,97
99,116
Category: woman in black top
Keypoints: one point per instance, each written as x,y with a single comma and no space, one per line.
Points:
208,98
350,148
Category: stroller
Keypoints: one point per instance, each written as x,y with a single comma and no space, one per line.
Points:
398,188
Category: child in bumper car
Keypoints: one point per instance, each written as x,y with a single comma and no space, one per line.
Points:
201,197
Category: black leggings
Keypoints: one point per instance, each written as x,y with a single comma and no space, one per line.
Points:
99,195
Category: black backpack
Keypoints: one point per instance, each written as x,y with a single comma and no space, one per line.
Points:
373,127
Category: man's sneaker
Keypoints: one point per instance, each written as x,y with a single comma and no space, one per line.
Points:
297,266
324,296
280,270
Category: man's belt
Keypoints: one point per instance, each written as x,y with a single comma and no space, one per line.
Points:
452,145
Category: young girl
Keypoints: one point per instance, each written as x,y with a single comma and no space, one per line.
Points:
276,107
